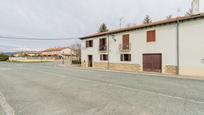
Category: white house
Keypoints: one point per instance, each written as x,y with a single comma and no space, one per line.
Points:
172,46
65,52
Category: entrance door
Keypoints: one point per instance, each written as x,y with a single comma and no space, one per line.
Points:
90,61
152,62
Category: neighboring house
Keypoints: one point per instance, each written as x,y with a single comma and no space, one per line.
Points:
173,46
65,52
27,54
33,54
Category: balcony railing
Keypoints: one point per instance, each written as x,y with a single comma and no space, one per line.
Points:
102,48
125,47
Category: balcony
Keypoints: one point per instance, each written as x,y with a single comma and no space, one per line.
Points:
103,48
125,47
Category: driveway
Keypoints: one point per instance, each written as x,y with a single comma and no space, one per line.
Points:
47,89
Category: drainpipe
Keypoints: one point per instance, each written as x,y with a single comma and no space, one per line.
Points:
178,50
108,66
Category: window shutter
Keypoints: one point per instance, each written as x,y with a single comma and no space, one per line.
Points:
126,39
101,57
129,57
121,57
87,44
151,36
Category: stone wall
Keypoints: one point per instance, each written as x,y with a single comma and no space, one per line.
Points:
101,65
118,66
170,69
83,64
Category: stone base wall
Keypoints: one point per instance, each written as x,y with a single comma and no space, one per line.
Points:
102,65
171,69
83,64
118,66
126,67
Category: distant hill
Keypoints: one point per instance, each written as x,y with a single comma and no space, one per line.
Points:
9,53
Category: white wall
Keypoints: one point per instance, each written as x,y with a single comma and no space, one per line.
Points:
192,48
165,44
67,51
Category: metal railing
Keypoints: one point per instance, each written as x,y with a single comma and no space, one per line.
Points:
125,47
103,48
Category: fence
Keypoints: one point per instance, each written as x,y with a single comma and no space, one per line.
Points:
27,59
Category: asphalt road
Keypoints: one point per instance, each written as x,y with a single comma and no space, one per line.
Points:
47,89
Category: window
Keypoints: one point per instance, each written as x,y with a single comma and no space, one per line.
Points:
125,44
89,43
103,57
151,36
125,57
102,44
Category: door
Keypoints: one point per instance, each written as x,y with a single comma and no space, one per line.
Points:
90,61
152,62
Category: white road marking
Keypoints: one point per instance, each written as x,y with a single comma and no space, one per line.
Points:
6,107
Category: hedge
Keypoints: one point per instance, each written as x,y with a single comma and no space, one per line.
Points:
3,57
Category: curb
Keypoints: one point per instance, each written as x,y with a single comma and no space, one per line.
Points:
140,73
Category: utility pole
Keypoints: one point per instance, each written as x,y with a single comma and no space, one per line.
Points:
63,58
178,44
108,52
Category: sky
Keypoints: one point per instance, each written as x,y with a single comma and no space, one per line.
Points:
75,18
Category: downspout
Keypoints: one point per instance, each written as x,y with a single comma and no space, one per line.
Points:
178,48
108,66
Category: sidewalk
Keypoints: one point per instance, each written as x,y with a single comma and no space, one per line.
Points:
138,73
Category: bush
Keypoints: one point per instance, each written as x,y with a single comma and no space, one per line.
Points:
76,62
3,57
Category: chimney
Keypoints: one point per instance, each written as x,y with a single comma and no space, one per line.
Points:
195,6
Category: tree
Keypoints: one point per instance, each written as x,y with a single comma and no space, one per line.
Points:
103,28
3,57
169,17
147,19
77,48
189,12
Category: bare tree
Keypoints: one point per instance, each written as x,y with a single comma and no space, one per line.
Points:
147,19
131,24
77,48
189,12
169,17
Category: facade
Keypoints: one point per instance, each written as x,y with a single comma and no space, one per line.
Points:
173,46
58,52
61,53
27,54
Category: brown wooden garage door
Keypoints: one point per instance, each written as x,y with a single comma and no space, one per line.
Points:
152,62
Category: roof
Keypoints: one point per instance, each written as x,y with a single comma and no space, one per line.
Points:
54,49
28,52
161,22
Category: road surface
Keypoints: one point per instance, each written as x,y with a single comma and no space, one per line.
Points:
47,89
